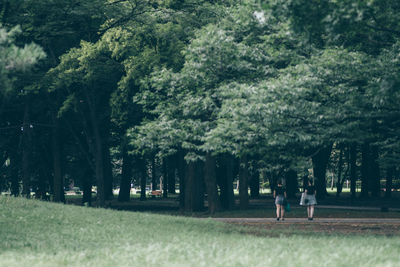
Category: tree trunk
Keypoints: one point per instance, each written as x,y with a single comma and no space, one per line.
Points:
98,147
189,181
171,167
3,158
211,184
58,179
165,177
26,179
181,175
352,163
143,178
375,177
87,186
26,153
225,181
125,185
15,188
320,162
194,197
199,187
339,184
230,174
243,183
365,170
389,181
108,176
153,174
101,194
255,184
273,179
98,153
292,186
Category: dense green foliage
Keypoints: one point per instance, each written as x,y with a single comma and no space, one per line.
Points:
140,90
13,58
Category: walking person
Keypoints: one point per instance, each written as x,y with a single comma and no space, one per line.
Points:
280,198
309,199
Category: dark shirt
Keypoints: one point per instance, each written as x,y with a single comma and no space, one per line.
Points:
279,190
310,190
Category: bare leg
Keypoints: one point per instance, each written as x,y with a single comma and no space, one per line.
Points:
278,208
308,211
312,211
282,211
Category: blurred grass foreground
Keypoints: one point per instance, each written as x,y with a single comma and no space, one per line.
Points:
36,233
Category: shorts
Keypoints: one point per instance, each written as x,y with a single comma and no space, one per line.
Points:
310,200
279,200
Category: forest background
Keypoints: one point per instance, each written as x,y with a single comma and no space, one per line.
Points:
198,95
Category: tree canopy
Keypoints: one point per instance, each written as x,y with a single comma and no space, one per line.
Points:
198,90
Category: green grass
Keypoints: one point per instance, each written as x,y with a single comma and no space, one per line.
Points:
34,233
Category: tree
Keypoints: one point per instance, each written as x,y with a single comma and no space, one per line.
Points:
56,26
90,75
14,64
14,58
222,54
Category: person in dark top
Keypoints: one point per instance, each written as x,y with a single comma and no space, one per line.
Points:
280,196
309,199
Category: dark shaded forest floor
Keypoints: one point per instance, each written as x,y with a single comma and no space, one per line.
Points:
263,207
333,216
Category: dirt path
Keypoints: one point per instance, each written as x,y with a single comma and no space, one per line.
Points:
330,226
304,220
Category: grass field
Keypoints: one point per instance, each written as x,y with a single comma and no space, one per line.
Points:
34,233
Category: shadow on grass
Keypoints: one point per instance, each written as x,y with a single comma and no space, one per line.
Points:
262,207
